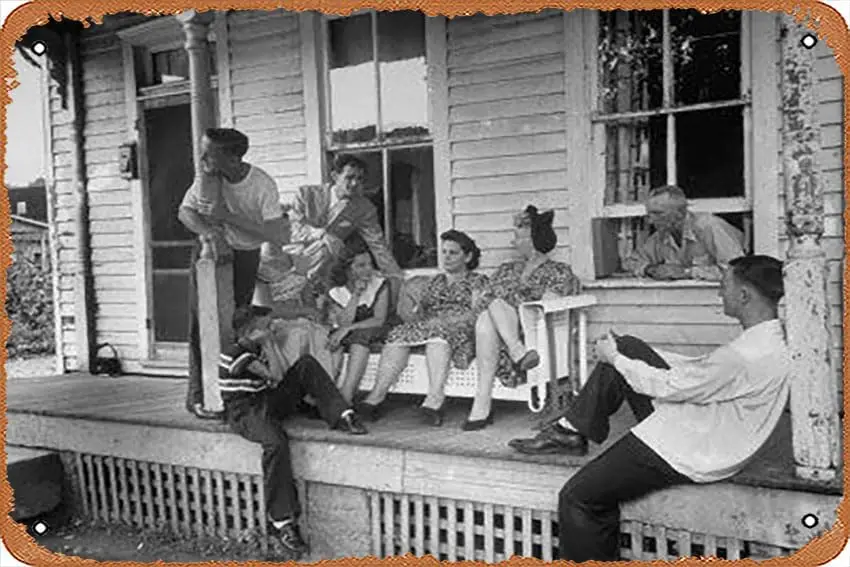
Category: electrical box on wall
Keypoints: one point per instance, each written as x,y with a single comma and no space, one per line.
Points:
128,163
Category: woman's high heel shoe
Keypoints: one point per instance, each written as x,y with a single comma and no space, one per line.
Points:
476,424
431,416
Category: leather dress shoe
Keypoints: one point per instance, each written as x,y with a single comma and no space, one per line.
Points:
371,412
553,439
200,412
350,423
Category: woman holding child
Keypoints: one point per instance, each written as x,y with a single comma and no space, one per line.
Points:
445,324
499,348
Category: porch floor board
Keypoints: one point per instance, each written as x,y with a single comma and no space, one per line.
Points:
159,402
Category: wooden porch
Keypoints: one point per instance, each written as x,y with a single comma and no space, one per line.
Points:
386,493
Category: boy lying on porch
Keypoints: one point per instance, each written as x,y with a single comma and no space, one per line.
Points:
701,418
258,394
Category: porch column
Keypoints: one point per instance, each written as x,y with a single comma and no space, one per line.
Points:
814,407
214,269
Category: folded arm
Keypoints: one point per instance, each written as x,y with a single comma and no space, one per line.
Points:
302,229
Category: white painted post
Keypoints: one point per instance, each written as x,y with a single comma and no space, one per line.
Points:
814,406
214,275
214,268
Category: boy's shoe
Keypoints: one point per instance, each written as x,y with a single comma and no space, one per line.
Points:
350,423
290,537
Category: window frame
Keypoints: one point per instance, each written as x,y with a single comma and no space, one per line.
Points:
762,161
600,120
437,118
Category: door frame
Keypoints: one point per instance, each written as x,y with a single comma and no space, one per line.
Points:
157,34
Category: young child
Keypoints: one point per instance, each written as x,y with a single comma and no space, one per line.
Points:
358,310
258,393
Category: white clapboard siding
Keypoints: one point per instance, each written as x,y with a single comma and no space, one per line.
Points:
267,93
111,223
688,321
506,125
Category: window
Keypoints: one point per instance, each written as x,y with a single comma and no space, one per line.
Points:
21,208
166,65
377,102
673,108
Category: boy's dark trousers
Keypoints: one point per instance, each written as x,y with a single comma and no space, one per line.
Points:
245,265
257,417
589,503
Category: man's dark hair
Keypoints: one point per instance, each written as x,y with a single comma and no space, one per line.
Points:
231,140
762,272
242,317
353,246
342,160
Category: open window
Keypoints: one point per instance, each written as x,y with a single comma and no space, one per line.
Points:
377,109
673,107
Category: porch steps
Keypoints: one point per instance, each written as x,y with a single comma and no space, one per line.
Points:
36,479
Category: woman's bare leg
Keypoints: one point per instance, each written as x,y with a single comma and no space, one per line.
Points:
438,360
487,360
393,360
358,358
506,321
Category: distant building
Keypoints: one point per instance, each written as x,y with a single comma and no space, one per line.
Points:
30,238
29,201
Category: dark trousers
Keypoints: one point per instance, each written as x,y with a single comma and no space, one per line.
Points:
258,418
589,503
245,264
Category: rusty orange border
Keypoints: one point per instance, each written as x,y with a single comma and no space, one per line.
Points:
823,19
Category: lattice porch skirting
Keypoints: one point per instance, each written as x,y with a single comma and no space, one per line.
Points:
194,502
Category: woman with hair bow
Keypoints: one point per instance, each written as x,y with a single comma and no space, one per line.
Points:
499,347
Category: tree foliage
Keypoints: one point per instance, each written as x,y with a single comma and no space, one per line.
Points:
29,306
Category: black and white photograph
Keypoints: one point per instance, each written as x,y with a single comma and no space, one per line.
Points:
297,285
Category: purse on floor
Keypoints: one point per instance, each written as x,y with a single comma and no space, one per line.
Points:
110,365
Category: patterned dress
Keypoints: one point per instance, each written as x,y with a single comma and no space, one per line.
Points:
445,314
507,284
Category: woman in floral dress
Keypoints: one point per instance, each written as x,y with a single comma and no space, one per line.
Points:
445,325
500,350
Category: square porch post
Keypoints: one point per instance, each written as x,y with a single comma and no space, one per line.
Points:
214,269
814,407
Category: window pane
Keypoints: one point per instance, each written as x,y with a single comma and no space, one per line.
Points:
635,159
630,60
352,80
404,87
413,225
710,153
168,66
706,55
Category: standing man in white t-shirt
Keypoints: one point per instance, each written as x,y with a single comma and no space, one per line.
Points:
247,214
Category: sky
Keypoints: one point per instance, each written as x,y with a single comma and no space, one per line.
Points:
24,127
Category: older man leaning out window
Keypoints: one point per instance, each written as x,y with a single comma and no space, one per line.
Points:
685,245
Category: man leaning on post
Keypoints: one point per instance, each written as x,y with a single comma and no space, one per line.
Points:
233,204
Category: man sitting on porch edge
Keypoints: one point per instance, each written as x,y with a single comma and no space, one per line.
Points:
258,394
685,245
245,214
701,419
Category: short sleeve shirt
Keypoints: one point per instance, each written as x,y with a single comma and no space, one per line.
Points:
255,198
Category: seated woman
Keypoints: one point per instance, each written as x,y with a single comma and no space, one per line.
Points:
357,310
499,348
445,325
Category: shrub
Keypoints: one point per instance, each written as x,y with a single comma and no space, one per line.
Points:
29,306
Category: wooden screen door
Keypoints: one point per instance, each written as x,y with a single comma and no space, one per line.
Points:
168,132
